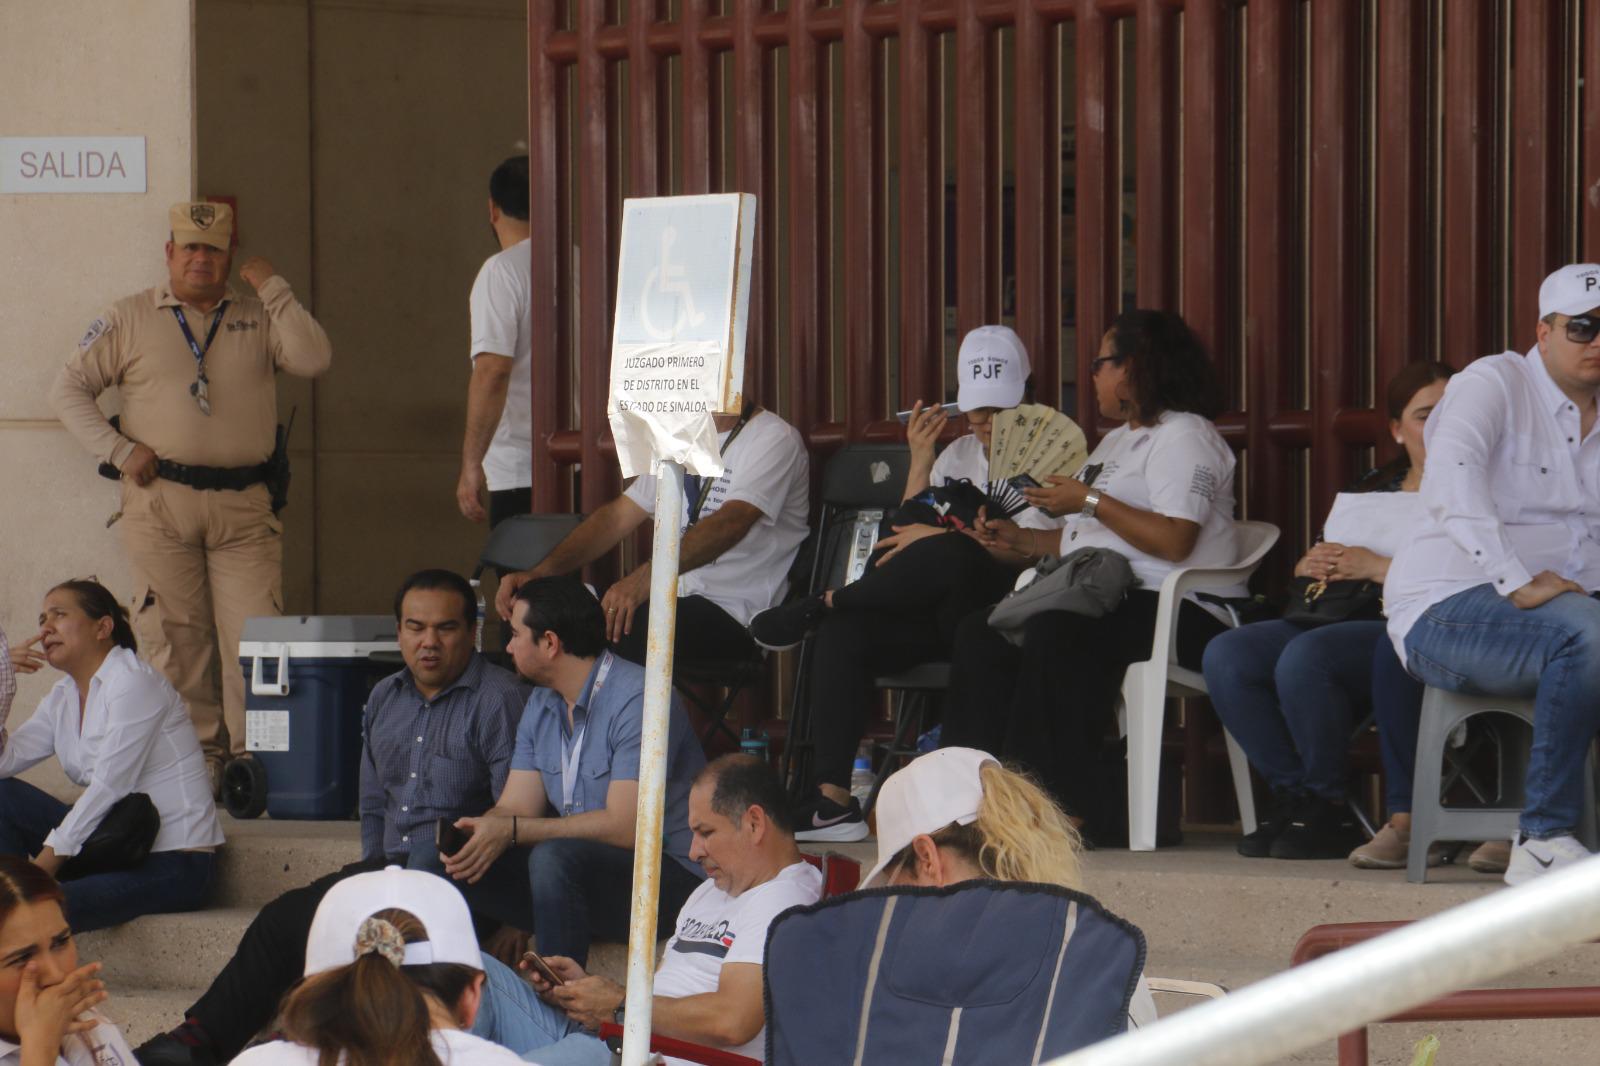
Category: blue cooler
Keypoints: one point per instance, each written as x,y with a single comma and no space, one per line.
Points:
306,681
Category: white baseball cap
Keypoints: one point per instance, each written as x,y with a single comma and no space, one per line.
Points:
992,369
933,791
434,901
1572,290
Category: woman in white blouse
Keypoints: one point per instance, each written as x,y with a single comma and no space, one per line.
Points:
1157,490
47,1000
117,727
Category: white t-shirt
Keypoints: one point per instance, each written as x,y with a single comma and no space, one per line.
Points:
715,929
453,1046
1179,467
965,459
136,737
768,469
502,323
1377,521
104,1045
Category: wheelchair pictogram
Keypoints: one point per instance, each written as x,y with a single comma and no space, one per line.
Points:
667,278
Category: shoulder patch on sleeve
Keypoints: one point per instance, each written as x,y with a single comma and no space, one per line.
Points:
97,329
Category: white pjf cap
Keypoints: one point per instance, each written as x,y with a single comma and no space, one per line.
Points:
933,791
1572,290
992,367
435,902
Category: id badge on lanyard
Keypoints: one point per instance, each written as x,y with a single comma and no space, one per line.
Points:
569,758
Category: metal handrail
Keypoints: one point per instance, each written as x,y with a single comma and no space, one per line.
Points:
1378,979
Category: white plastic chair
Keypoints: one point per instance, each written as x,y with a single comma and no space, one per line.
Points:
1146,686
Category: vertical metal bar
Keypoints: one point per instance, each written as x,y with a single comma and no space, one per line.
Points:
1210,255
1334,263
1098,198
805,261
1538,108
1155,170
973,169
594,269
1036,133
696,110
1402,292
1589,171
1272,269
921,207
544,209
1467,180
1353,1048
644,109
863,282
652,764
750,175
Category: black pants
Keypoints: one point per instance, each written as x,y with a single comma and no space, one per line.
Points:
704,631
1048,704
897,615
508,502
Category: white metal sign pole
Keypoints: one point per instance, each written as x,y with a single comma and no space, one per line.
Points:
652,766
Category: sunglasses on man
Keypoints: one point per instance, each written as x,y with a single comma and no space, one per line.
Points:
1583,328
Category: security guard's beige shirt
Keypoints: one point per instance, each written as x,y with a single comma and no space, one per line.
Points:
138,346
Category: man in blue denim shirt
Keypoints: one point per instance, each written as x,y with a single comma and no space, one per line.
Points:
574,784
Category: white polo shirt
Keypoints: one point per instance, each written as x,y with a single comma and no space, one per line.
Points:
1178,466
1509,490
767,468
136,737
502,323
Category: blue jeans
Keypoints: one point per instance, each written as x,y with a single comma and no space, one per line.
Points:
1292,696
512,1015
1478,642
167,881
583,891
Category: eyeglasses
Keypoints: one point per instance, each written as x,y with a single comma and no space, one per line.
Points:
1095,364
1583,329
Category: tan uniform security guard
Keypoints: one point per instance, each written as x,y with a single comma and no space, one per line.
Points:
195,360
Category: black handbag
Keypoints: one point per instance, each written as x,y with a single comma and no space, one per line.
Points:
121,841
1319,603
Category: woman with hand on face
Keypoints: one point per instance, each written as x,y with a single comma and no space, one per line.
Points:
1157,490
1291,694
118,728
924,579
47,1000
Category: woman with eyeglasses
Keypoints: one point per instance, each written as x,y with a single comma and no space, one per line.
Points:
1157,490
119,730
47,1000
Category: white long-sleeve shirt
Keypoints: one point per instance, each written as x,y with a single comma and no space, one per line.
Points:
103,1045
1510,488
136,737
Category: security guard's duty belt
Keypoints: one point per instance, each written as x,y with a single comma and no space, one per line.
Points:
214,477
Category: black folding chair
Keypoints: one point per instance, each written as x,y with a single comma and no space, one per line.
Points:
860,485
519,543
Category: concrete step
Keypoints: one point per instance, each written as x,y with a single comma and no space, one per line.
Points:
142,1013
264,858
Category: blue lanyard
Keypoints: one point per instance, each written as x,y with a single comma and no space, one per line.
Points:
211,335
573,750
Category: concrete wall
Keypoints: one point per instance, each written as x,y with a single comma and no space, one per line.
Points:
358,136
67,69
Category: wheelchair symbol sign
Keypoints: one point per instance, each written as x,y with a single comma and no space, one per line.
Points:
668,280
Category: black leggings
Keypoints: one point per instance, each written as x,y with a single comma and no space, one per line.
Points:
899,614
1048,704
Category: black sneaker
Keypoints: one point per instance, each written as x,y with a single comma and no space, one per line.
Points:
1273,820
823,819
1319,829
782,627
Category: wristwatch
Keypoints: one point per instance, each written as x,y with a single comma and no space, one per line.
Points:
1091,501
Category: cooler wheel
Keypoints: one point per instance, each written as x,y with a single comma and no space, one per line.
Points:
244,787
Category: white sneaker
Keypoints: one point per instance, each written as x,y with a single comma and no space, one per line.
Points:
1535,858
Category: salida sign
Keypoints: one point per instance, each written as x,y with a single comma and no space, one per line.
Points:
71,164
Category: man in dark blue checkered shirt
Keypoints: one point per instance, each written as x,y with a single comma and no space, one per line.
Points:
439,737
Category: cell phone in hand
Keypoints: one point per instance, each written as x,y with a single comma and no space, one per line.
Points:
451,839
541,967
1025,481
950,411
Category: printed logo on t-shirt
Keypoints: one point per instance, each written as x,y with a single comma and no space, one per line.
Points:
704,938
1203,483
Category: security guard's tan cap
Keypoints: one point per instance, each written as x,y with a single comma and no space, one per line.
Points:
202,223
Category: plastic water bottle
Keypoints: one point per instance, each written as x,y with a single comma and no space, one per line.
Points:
753,743
477,630
861,776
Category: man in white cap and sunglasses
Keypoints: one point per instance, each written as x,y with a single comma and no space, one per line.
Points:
1493,596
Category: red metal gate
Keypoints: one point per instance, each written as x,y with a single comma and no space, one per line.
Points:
1326,189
